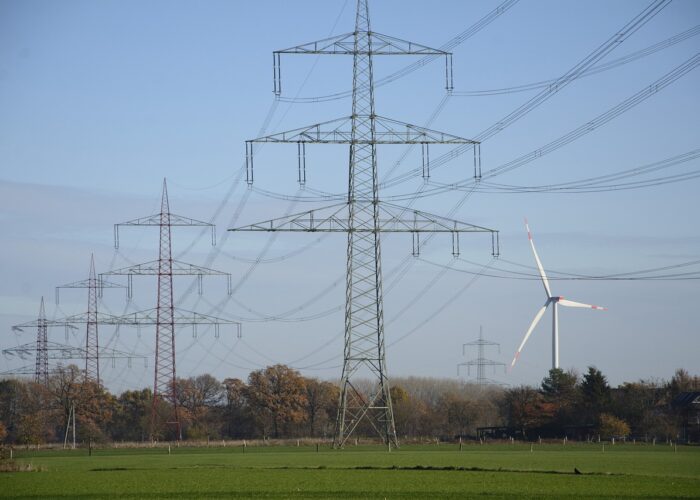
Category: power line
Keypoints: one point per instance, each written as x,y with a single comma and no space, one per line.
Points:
669,42
514,275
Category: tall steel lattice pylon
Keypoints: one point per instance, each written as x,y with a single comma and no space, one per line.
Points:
481,362
92,344
167,316
164,383
41,373
363,217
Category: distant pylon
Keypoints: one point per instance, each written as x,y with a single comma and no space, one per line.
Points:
41,373
164,384
94,287
167,316
481,362
42,350
92,356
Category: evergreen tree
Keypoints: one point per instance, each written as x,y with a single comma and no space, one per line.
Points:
560,389
595,395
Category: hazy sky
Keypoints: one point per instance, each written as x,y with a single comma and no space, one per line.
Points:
99,101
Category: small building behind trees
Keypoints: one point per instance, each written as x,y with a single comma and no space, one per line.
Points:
687,406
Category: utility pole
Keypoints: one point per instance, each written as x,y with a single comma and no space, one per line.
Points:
166,316
71,413
481,362
92,354
363,216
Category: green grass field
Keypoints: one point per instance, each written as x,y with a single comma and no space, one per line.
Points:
496,471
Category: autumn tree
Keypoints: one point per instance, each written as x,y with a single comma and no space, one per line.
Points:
201,397
410,413
36,423
321,405
238,418
458,414
64,385
93,408
681,381
131,419
525,409
12,394
611,427
277,397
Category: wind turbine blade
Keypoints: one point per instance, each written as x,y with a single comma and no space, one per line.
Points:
571,303
545,282
538,316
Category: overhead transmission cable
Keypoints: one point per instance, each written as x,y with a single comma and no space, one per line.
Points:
514,275
586,128
599,68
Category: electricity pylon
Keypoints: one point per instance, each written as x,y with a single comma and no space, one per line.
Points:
41,374
363,217
481,362
92,352
166,316
43,349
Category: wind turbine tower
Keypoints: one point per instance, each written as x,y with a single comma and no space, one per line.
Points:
555,302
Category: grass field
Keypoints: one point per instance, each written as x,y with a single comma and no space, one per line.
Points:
496,471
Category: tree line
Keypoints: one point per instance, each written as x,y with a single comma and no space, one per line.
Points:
279,402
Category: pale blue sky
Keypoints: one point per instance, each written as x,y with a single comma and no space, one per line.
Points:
101,100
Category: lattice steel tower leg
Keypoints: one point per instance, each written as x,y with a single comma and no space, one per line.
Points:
164,384
364,314
92,352
41,372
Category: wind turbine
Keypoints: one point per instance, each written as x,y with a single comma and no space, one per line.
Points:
553,301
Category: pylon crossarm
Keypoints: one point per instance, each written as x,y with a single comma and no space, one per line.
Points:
390,131
156,220
339,131
100,318
336,131
345,45
53,350
62,351
377,43
180,317
332,218
179,268
338,44
107,353
43,322
87,284
23,370
393,219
